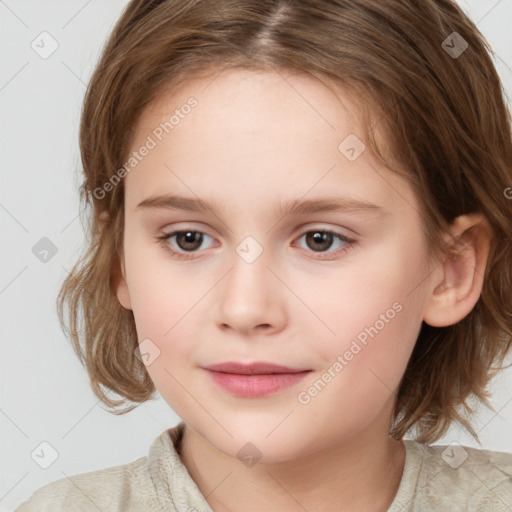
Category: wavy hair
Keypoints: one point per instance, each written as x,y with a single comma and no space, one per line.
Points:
447,125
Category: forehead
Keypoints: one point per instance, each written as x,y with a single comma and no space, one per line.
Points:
251,133
242,101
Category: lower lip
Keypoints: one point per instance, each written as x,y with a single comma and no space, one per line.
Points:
254,386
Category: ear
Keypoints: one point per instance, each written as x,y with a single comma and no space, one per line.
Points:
119,274
463,271
123,295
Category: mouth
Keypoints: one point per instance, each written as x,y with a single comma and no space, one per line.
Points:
254,380
257,368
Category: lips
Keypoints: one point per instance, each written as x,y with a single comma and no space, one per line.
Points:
257,368
254,380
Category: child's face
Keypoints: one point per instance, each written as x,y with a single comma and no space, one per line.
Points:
253,141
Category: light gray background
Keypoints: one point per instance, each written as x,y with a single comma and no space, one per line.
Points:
45,394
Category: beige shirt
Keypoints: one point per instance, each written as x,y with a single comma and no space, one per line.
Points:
435,478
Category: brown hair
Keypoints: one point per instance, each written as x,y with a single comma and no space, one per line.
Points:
446,123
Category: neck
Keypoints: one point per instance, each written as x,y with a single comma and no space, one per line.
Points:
363,473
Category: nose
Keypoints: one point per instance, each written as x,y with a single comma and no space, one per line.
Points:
250,299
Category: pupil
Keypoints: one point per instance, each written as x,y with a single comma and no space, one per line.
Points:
318,237
190,237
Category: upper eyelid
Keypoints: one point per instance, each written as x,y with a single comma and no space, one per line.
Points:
302,230
349,238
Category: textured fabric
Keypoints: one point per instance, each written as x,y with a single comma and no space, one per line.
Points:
435,478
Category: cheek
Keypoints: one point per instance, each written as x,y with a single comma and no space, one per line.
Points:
163,309
160,291
373,315
163,304
377,290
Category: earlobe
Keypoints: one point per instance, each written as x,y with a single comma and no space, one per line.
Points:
463,268
122,292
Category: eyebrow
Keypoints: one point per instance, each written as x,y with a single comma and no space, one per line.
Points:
294,206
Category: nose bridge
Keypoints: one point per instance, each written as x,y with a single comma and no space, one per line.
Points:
248,297
249,273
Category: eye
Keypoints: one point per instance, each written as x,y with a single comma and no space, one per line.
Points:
318,240
189,241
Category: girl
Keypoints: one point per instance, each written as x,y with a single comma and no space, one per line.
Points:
301,237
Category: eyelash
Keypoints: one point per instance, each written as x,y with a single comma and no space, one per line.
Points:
349,243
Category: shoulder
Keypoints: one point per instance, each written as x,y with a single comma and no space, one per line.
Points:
153,483
470,478
105,489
